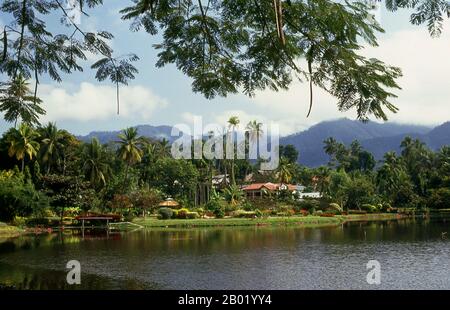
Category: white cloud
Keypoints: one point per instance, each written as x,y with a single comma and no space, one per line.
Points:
424,98
425,94
98,102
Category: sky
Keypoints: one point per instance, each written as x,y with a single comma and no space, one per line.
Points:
163,96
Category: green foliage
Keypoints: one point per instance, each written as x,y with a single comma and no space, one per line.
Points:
289,152
200,211
311,205
17,101
192,215
429,12
146,199
68,191
94,161
165,213
22,143
353,158
248,206
172,176
440,199
30,48
244,214
19,197
359,191
336,207
217,206
233,195
182,213
225,46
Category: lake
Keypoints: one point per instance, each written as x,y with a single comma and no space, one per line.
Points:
413,253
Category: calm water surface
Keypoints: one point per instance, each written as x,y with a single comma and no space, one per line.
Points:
414,254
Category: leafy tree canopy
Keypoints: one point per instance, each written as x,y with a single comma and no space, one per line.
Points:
225,46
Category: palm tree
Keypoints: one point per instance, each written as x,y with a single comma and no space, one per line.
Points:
23,142
163,147
233,195
18,101
285,171
52,146
130,148
233,123
255,131
324,178
95,163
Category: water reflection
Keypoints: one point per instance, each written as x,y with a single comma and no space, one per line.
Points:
413,252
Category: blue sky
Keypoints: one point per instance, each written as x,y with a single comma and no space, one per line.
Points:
164,96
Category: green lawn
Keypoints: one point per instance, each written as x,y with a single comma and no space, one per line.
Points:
304,221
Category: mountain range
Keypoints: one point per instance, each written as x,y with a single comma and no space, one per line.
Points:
154,132
378,138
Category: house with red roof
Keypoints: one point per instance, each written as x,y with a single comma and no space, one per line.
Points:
257,190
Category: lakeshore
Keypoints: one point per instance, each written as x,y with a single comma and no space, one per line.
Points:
305,221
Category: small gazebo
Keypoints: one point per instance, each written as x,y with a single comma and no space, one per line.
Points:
169,203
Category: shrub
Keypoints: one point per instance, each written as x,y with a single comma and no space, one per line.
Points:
244,214
357,212
304,212
335,206
165,213
248,206
368,207
265,213
318,213
182,213
308,204
216,206
440,199
175,213
19,221
19,197
288,212
219,213
200,211
192,215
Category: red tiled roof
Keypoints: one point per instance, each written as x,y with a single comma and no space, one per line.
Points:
269,186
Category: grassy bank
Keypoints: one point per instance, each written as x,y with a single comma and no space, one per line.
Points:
7,231
304,221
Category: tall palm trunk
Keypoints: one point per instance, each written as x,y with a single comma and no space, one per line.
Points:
126,172
233,178
23,164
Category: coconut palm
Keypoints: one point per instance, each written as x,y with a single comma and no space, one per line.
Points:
53,145
130,148
163,147
22,143
18,101
95,163
254,129
284,171
323,179
233,123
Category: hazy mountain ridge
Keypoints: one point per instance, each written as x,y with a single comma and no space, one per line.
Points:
374,137
377,138
154,132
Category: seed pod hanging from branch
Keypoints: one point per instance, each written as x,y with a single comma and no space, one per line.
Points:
278,8
5,45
